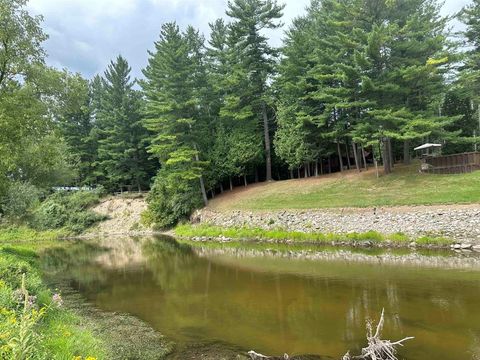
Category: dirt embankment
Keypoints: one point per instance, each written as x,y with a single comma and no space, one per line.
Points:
124,216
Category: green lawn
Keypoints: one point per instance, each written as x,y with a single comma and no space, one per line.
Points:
406,186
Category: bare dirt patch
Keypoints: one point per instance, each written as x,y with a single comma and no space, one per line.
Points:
124,216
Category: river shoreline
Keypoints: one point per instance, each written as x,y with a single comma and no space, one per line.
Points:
460,223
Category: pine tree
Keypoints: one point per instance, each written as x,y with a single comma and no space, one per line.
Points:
470,69
402,67
122,159
174,115
297,137
252,64
76,123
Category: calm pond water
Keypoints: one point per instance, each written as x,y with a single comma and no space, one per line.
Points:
275,304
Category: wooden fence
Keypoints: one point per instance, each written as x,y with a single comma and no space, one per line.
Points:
452,164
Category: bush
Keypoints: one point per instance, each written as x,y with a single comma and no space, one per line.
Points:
67,210
20,201
50,215
168,205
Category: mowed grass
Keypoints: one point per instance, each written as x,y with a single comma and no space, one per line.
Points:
405,186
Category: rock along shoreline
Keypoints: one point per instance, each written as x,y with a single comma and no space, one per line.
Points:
460,223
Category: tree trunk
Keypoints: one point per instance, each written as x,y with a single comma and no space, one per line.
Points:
202,184
316,168
329,164
291,173
305,175
266,133
348,154
298,173
231,183
390,152
221,188
321,166
340,156
380,151
245,180
355,154
386,157
363,156
256,174
406,152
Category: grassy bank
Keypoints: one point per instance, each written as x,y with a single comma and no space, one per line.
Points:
34,324
23,234
399,239
403,187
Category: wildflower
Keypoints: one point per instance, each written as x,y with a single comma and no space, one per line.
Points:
32,302
57,299
18,296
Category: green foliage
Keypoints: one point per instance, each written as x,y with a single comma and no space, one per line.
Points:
175,116
121,160
21,38
469,79
33,324
168,205
247,233
17,234
67,210
20,201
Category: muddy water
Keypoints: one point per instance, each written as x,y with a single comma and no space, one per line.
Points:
276,304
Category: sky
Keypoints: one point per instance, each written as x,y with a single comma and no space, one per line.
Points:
85,35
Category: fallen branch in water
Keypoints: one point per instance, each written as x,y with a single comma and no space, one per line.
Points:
377,348
256,356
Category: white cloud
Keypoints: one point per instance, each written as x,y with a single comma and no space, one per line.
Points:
86,34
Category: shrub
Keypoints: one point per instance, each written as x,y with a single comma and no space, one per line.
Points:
67,210
20,201
50,215
167,205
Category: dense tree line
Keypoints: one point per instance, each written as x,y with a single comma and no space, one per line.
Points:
355,82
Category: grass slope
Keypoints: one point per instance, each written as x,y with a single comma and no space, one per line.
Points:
406,186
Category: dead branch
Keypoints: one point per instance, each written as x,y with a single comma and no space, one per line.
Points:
256,356
377,348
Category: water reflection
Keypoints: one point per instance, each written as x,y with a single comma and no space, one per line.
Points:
274,304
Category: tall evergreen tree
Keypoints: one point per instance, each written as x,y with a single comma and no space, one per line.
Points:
174,117
252,64
122,158
298,138
76,124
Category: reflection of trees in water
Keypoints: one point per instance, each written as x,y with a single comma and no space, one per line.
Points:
173,265
268,301
366,298
75,262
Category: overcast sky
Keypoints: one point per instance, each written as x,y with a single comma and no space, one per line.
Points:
86,34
